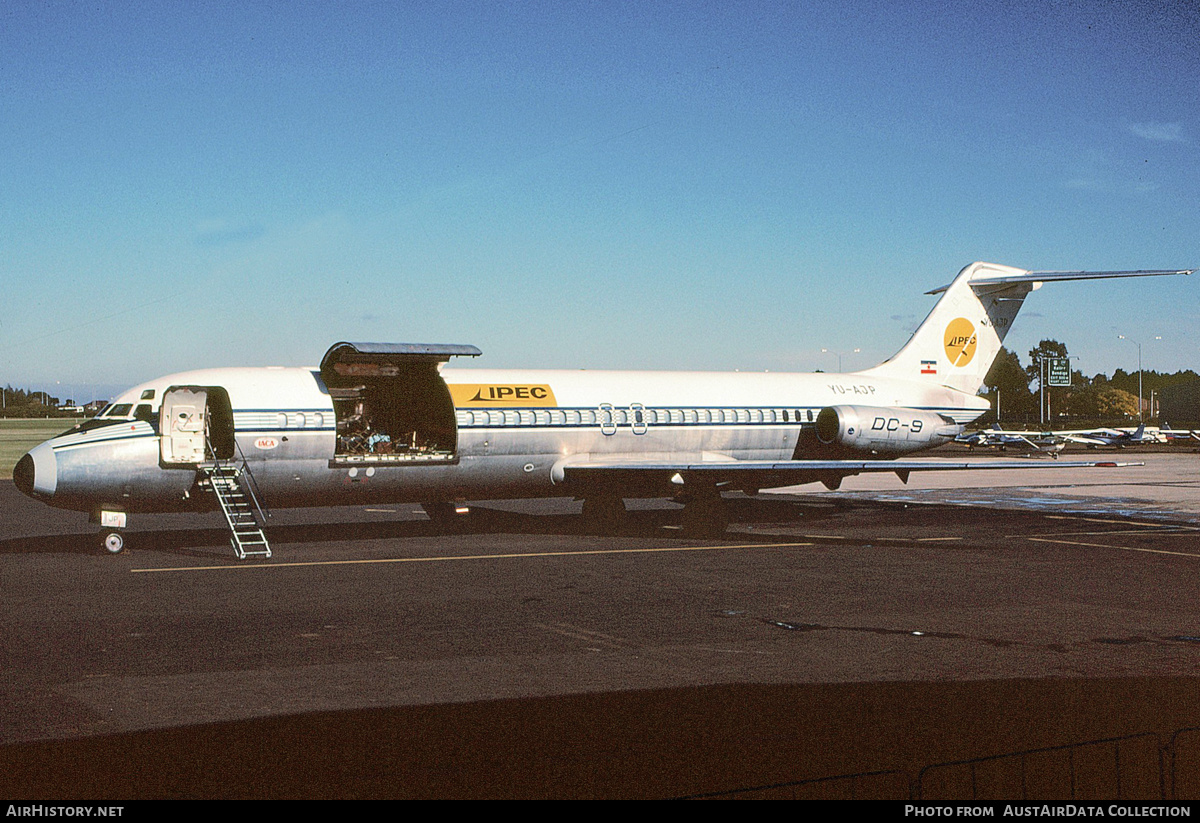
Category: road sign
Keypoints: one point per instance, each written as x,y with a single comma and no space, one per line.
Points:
1059,371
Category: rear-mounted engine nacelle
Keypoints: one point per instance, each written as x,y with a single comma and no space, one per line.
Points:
884,431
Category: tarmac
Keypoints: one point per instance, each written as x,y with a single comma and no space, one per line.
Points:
855,638
1165,486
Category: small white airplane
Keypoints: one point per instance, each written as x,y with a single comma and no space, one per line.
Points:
1178,434
386,423
1053,442
1119,438
1003,439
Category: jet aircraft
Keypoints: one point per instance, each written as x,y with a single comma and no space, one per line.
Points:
388,423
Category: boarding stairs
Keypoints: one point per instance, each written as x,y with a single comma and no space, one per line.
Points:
234,490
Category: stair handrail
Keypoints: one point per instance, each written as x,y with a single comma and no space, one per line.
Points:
252,486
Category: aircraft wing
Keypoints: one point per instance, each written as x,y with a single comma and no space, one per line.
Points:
1088,439
1016,436
1041,442
774,473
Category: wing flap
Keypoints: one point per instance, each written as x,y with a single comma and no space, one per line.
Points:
769,473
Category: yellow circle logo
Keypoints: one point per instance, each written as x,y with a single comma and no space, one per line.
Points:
960,341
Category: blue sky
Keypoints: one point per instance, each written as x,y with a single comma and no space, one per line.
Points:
667,185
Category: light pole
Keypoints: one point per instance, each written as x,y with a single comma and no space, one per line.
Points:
1043,393
839,355
1139,345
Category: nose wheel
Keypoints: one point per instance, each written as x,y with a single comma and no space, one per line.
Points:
111,522
112,542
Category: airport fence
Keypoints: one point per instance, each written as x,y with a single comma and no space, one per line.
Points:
1135,767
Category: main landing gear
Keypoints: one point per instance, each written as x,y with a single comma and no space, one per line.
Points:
447,514
604,514
705,514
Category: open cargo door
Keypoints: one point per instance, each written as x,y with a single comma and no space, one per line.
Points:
390,402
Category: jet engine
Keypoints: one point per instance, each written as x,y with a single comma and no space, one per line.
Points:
884,431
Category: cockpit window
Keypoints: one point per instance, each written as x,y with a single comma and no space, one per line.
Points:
88,425
148,394
143,413
118,410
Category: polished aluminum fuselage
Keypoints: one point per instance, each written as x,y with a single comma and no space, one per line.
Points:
284,424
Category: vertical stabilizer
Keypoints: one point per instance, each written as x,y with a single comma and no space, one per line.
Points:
957,342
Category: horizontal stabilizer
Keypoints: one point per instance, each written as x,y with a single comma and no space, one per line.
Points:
1050,276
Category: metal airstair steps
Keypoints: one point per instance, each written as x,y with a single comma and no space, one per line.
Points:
240,507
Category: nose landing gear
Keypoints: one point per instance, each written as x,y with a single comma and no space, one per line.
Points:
112,538
112,542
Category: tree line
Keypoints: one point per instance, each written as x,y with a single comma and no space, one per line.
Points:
1098,398
24,403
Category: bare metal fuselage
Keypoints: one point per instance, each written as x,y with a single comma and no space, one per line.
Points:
384,422
509,442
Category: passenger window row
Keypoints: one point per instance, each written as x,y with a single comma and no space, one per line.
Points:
610,416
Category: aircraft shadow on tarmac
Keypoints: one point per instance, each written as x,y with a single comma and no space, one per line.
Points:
658,523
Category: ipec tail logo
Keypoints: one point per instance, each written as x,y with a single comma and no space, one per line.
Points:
960,341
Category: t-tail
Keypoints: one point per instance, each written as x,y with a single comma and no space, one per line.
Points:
957,343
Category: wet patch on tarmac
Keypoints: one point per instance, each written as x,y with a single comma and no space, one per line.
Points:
1012,499
996,642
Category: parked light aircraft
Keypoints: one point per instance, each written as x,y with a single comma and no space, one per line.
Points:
1054,441
1178,434
1003,439
386,422
1119,438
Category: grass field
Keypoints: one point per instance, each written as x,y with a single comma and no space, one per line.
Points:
19,436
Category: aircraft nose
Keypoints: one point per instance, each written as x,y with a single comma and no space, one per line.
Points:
36,474
23,475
